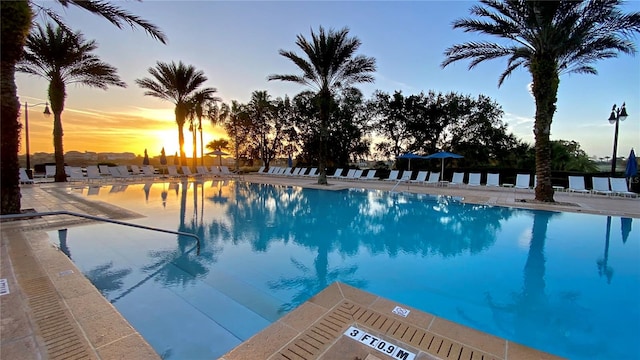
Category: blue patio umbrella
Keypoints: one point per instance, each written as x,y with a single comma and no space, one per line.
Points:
410,156
443,155
631,169
290,161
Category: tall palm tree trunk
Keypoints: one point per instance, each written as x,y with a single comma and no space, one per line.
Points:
201,142
545,89
16,21
181,115
325,99
194,136
57,94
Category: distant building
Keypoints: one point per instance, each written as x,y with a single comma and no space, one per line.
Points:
127,156
77,156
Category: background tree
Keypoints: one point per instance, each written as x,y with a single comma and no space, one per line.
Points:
220,144
235,121
548,38
389,120
480,135
64,58
16,19
567,155
331,66
177,83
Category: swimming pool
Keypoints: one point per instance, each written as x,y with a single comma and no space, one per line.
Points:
564,283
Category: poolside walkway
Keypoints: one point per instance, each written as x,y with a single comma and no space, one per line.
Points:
53,312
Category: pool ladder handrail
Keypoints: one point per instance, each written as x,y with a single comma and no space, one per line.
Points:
97,218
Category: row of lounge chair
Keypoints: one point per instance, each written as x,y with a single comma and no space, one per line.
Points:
101,172
601,185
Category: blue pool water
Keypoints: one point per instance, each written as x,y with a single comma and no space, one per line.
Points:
565,283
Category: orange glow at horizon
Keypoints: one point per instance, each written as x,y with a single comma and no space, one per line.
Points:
99,131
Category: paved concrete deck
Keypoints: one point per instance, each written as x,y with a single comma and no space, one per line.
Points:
54,312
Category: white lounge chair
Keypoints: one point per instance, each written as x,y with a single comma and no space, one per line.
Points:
135,170
93,173
148,170
406,176
74,173
371,175
421,177
173,171
474,179
619,187
124,172
286,172
337,173
576,184
202,170
49,171
24,178
313,173
261,170
601,186
457,179
522,181
393,176
434,178
104,170
349,174
226,172
493,180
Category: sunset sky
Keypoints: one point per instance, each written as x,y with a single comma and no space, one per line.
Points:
236,44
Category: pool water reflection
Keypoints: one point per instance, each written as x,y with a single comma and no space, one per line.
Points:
564,283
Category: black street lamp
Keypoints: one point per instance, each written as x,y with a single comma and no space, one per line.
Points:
617,115
46,113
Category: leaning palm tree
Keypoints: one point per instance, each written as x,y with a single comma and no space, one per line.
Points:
16,18
331,66
202,103
177,83
63,58
549,38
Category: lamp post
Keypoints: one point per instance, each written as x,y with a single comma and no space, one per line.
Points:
617,115
46,113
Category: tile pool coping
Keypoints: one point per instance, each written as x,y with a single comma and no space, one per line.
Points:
98,331
316,330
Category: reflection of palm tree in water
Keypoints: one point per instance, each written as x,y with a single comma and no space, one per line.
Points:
180,266
106,279
603,266
531,314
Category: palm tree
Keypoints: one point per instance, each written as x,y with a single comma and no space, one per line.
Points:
177,83
331,66
202,103
549,38
16,20
63,57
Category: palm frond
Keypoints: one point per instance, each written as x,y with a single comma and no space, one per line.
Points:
56,53
117,16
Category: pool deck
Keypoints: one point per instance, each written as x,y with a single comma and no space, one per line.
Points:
53,312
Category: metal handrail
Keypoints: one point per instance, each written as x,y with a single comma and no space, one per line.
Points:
96,218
